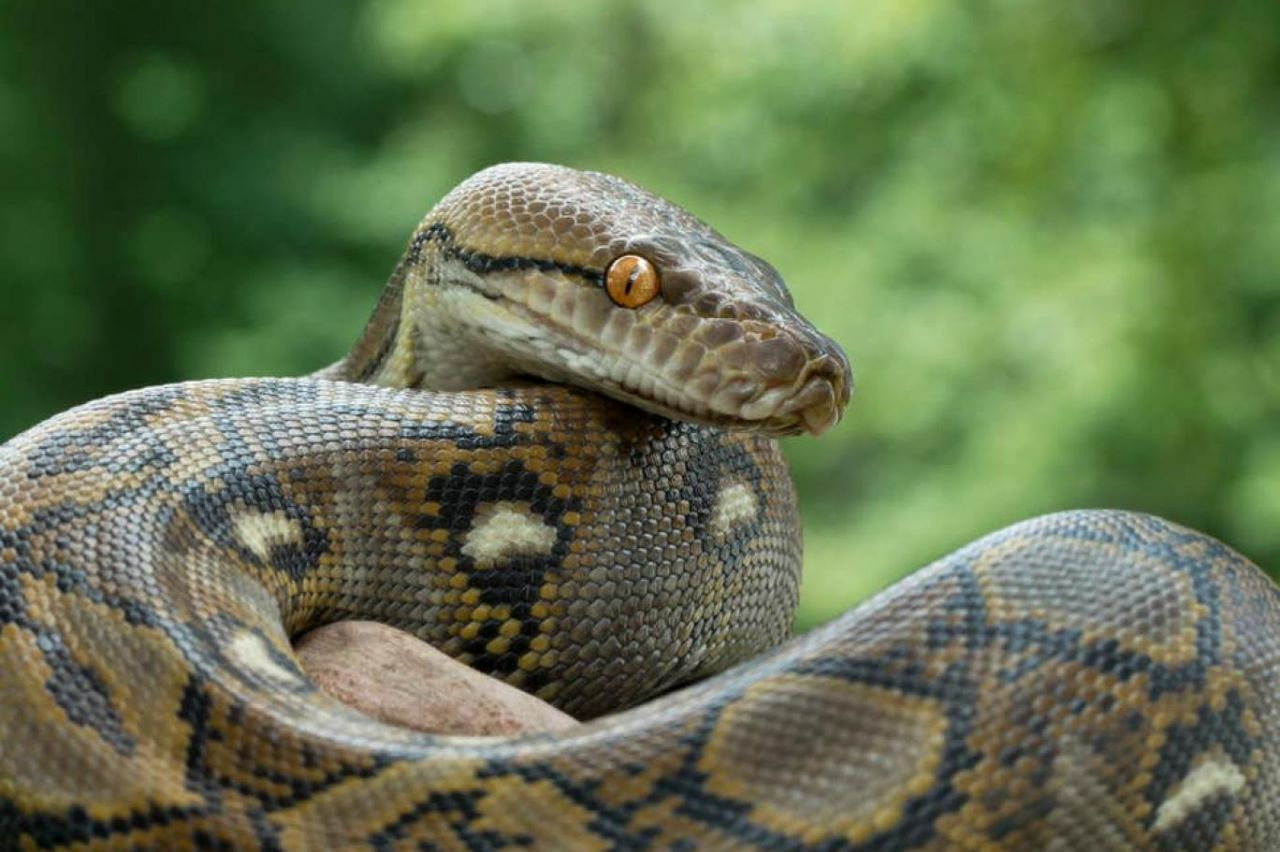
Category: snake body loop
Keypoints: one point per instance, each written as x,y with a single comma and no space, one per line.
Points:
560,468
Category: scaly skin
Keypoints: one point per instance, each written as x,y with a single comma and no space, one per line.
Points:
1083,681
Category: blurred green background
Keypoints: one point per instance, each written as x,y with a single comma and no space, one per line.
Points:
1047,233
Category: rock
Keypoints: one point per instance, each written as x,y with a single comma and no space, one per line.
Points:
395,677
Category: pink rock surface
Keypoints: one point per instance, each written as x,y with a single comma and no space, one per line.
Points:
395,677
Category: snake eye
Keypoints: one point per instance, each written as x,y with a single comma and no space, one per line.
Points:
631,281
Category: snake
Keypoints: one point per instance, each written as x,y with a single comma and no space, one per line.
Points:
553,454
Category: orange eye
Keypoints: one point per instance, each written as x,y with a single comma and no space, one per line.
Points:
631,281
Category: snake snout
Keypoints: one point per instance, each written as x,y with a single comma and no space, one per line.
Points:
800,382
823,395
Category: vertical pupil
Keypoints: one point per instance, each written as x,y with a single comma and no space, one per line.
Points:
632,276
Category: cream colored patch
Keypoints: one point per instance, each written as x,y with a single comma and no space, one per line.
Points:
1212,774
261,531
1087,813
846,764
506,529
250,651
735,504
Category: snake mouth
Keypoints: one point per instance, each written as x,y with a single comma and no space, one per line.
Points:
811,400
820,400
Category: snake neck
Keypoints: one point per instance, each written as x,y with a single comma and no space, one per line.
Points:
412,341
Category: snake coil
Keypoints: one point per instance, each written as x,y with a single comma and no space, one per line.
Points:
551,454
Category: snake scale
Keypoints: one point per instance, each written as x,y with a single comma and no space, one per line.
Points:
551,453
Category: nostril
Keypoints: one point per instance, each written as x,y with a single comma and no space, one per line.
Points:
834,367
824,394
816,404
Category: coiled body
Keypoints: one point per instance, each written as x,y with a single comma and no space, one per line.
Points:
1089,680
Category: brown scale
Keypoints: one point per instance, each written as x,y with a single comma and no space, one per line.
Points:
1082,681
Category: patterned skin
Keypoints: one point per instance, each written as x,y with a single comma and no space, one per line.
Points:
1082,681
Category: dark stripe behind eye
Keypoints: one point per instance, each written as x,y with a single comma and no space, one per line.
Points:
481,263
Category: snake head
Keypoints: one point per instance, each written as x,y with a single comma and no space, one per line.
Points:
511,274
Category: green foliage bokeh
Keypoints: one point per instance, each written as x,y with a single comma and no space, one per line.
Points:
1046,233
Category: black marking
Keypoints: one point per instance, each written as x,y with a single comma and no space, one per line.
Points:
1184,743
1201,829
957,695
968,613
240,491
68,579
506,416
709,460
483,264
1031,811
262,393
373,365
195,709
63,451
686,786
222,628
436,232
516,582
608,821
72,580
204,840
302,789
462,806
57,830
82,695
13,605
